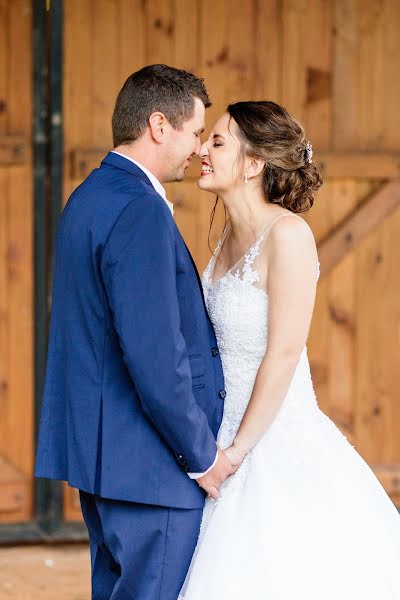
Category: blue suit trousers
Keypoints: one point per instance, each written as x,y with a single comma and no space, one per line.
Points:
138,551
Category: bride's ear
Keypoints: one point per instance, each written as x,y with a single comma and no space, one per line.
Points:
157,124
254,167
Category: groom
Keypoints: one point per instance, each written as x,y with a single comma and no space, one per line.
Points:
134,392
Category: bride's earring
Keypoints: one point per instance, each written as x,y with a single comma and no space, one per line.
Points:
246,179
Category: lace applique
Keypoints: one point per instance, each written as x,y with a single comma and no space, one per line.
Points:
246,272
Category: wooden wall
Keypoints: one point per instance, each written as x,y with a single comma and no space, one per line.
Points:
16,262
334,64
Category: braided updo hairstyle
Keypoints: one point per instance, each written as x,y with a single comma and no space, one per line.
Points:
269,132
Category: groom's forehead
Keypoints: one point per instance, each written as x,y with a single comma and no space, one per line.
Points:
199,112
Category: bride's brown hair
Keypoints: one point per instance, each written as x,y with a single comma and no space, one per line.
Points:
271,133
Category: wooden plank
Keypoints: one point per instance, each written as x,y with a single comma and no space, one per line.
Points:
9,473
268,54
131,30
4,46
14,493
14,150
373,82
186,35
359,165
390,294
240,75
16,260
160,31
319,73
19,258
215,55
389,333
4,321
77,77
346,81
341,307
20,67
366,218
371,389
104,67
391,52
294,36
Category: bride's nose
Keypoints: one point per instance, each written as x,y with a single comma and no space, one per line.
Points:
204,150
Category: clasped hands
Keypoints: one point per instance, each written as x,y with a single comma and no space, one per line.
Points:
229,460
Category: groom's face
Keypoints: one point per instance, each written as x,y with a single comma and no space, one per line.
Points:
183,144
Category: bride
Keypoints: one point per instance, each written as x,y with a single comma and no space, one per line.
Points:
303,517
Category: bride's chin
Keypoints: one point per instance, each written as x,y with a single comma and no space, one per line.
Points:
203,185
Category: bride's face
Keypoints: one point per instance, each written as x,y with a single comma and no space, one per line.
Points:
222,164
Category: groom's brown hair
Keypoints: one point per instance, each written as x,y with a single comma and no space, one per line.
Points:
155,88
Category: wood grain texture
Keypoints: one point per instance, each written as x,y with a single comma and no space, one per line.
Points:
358,165
334,65
14,150
365,219
16,259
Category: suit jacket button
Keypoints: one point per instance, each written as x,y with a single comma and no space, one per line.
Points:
214,352
222,394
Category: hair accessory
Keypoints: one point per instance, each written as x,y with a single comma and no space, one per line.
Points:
309,153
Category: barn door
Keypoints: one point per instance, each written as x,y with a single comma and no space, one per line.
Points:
329,63
16,263
30,202
325,61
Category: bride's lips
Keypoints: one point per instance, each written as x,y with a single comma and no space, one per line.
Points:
206,169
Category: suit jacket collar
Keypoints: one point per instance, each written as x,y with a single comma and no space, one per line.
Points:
119,162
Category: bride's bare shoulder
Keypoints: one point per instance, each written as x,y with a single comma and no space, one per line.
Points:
290,227
292,236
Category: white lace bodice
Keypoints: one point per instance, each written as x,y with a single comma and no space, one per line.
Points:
238,307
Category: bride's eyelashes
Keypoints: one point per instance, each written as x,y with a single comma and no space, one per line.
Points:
217,145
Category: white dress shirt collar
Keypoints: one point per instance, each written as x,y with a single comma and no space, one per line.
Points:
153,180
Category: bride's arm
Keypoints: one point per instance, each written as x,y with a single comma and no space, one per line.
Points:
292,277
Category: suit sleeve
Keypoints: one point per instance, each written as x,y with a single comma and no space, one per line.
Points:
139,272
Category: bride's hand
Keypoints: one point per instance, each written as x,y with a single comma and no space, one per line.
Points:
235,456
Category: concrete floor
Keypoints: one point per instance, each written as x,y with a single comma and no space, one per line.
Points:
45,573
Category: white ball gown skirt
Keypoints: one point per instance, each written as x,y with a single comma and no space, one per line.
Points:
304,518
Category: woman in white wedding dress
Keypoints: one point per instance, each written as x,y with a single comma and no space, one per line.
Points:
303,517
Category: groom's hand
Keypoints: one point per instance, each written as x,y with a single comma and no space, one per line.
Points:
212,481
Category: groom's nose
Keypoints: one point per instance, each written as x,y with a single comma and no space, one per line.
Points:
197,148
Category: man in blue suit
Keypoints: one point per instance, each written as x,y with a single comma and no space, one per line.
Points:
134,387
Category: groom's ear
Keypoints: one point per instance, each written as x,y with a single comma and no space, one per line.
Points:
158,124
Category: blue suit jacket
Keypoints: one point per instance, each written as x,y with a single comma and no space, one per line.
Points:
133,396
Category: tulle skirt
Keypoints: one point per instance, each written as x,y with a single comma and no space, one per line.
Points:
304,518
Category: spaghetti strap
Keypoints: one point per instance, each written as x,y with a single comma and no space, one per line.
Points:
245,261
278,218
